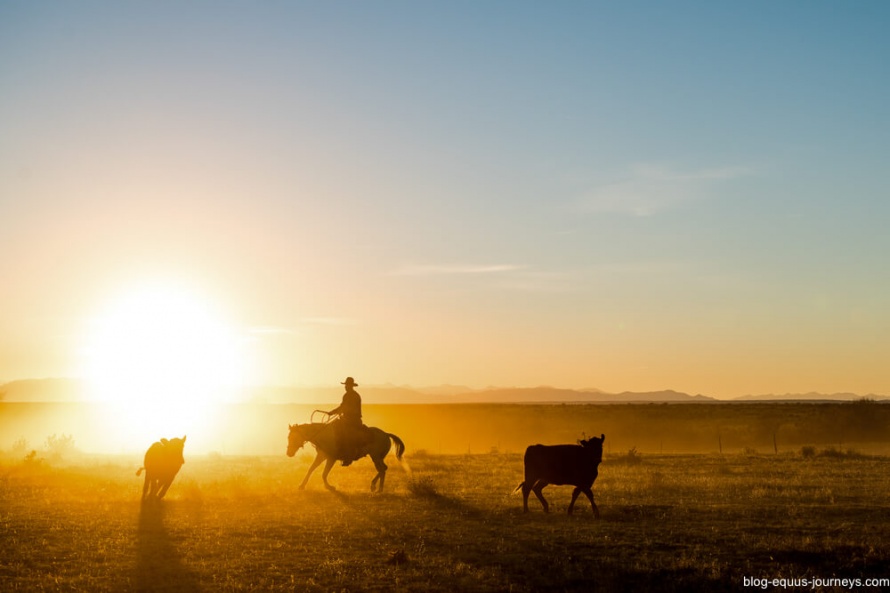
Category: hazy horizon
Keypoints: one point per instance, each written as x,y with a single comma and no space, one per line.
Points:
403,393
202,196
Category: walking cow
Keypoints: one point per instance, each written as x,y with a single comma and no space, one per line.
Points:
162,462
575,465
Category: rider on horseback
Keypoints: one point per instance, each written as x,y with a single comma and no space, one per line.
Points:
351,434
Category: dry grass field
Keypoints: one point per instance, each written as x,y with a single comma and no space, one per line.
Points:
669,523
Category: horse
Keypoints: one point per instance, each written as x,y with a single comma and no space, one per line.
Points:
321,435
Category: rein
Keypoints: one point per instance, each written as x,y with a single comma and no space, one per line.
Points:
316,427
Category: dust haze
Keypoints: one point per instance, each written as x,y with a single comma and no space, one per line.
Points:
261,429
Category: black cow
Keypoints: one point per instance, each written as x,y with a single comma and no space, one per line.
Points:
576,465
162,462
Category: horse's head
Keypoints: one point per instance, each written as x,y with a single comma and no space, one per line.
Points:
295,439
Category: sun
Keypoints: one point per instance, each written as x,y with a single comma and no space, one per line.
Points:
164,359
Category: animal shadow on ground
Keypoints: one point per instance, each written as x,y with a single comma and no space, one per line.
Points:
451,504
158,564
322,498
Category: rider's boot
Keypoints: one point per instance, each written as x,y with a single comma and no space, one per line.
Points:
352,454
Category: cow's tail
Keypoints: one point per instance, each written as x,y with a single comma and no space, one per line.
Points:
521,484
139,471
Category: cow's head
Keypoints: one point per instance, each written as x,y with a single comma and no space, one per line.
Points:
174,448
594,446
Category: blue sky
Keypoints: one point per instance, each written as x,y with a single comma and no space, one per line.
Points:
638,195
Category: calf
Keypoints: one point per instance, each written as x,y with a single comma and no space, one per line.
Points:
162,462
575,465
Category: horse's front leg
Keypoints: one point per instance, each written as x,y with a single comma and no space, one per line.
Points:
315,463
326,471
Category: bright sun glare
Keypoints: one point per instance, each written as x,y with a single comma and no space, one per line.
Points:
164,359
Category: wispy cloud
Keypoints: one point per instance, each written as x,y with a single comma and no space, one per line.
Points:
651,188
454,269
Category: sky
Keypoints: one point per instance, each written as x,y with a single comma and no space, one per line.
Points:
622,196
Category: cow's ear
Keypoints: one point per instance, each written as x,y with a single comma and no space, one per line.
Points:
183,438
603,438
164,441
290,426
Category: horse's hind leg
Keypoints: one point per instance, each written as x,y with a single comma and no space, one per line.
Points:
381,475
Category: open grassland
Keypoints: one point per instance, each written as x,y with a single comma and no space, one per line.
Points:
669,523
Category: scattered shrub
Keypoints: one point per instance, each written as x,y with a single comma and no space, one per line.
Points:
810,452
59,446
20,446
32,460
423,486
834,453
632,457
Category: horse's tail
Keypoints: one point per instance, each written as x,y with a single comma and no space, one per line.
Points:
400,446
139,471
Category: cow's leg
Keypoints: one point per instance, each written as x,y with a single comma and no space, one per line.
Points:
538,490
324,474
145,486
315,463
526,489
163,489
589,493
575,494
154,488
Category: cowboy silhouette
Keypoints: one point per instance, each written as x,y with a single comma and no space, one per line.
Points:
351,434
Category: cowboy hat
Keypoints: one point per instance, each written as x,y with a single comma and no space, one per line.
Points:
349,381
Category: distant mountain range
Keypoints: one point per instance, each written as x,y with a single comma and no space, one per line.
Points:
73,390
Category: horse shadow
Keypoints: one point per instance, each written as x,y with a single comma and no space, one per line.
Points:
452,504
158,563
